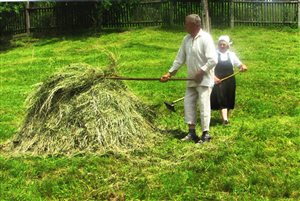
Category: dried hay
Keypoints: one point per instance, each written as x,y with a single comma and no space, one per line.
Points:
76,112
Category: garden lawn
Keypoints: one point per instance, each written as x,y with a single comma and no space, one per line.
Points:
256,158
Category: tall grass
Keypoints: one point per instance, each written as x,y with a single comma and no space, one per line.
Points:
256,158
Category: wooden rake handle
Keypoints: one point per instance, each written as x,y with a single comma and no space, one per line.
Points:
179,99
229,76
146,78
157,79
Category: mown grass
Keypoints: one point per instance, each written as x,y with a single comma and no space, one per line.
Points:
256,158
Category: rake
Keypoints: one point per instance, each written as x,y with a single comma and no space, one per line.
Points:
171,105
145,78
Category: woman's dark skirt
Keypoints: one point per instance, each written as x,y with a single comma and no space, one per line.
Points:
223,95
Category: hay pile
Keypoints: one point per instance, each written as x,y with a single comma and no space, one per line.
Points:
74,111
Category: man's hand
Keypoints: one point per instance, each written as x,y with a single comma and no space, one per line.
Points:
217,80
243,68
165,77
199,76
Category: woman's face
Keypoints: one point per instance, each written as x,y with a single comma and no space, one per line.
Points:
223,47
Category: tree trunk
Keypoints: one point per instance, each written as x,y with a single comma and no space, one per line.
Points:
27,17
231,14
206,21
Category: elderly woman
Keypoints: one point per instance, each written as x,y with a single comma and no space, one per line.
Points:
223,93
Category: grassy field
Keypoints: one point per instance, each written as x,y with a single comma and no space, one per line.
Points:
256,158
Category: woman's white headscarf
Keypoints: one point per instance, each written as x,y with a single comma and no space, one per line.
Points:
226,39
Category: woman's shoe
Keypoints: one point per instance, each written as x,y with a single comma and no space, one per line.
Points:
226,123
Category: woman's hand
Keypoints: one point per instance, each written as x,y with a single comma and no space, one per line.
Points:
243,68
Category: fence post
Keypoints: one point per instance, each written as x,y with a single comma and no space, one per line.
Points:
232,13
206,15
27,17
298,14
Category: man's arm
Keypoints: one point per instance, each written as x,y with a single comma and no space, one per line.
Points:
180,58
178,62
212,59
210,54
238,63
167,76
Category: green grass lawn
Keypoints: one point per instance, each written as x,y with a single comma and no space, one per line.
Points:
256,158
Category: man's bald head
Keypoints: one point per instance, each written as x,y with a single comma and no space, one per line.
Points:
194,19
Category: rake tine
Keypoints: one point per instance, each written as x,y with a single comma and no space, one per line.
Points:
170,106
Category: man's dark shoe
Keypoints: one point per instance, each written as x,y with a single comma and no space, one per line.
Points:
204,138
190,137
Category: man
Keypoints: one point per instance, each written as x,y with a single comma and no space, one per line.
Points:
198,52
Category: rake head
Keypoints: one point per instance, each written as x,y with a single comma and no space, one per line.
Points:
170,106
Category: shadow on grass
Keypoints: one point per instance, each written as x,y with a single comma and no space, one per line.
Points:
9,42
147,48
215,121
51,36
5,43
82,34
176,133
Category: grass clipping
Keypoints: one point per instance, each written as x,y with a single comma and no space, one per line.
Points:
75,111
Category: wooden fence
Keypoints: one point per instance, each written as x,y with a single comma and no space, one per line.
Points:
258,13
150,13
228,13
142,14
222,13
60,17
12,23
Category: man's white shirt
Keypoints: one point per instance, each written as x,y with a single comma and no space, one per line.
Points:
197,53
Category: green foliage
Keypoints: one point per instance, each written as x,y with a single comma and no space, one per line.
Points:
11,7
108,3
256,158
